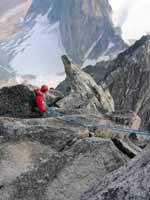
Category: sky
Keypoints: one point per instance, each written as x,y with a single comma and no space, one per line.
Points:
133,16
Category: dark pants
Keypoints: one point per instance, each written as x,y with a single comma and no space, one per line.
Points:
53,112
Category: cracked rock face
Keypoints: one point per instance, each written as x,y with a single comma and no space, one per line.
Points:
45,159
53,158
128,182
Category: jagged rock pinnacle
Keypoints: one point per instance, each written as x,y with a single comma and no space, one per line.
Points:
84,89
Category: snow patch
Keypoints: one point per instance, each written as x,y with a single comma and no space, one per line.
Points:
104,57
95,61
41,52
110,46
92,46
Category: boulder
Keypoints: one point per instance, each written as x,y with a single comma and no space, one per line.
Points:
14,101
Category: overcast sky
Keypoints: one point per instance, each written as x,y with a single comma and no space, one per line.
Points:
133,16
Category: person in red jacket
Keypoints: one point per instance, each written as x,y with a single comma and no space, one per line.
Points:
41,105
40,97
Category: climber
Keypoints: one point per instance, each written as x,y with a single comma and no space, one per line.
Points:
39,102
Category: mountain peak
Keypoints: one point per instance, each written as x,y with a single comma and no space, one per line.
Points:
86,27
141,43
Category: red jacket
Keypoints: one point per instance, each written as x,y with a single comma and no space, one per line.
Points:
39,100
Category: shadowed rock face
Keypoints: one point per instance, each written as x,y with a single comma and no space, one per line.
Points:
88,23
85,94
129,80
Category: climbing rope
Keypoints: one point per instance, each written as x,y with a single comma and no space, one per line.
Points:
93,124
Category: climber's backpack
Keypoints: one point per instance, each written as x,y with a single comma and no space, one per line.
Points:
32,101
